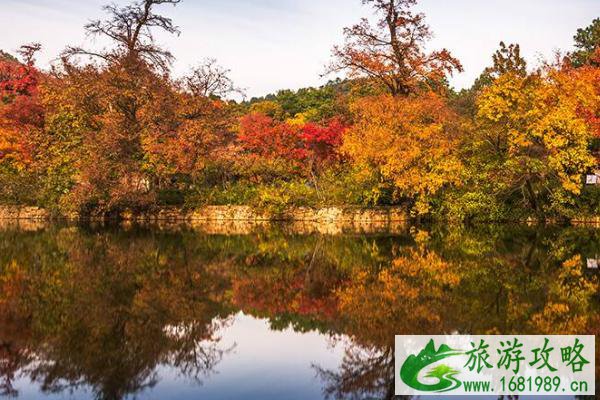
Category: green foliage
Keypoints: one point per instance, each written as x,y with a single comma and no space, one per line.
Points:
278,197
239,193
355,186
4,56
171,197
585,205
333,187
312,104
64,131
475,207
587,41
17,186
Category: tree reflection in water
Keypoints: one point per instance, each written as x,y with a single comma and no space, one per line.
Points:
104,308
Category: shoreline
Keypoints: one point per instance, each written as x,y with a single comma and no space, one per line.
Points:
344,216
218,213
228,219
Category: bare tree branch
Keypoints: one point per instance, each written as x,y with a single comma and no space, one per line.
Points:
131,30
391,51
211,80
27,52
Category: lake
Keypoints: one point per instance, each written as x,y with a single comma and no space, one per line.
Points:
92,312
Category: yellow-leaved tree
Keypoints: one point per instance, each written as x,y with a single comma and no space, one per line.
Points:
534,127
410,142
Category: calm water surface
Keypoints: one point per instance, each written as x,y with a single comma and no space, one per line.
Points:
149,313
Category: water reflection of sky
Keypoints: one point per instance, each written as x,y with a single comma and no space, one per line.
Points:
264,364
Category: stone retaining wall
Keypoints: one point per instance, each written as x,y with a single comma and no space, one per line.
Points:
230,213
245,218
246,213
23,213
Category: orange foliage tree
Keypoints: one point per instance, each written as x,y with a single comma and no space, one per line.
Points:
410,142
391,52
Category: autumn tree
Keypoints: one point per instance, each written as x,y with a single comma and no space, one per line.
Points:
263,136
306,147
20,111
209,79
114,98
190,128
187,133
130,30
21,123
323,140
533,128
507,59
409,142
138,131
531,138
391,52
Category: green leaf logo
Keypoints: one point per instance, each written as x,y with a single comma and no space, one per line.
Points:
409,372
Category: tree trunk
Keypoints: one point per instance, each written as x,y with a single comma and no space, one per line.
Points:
534,201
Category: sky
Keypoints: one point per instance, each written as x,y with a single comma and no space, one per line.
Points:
285,44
